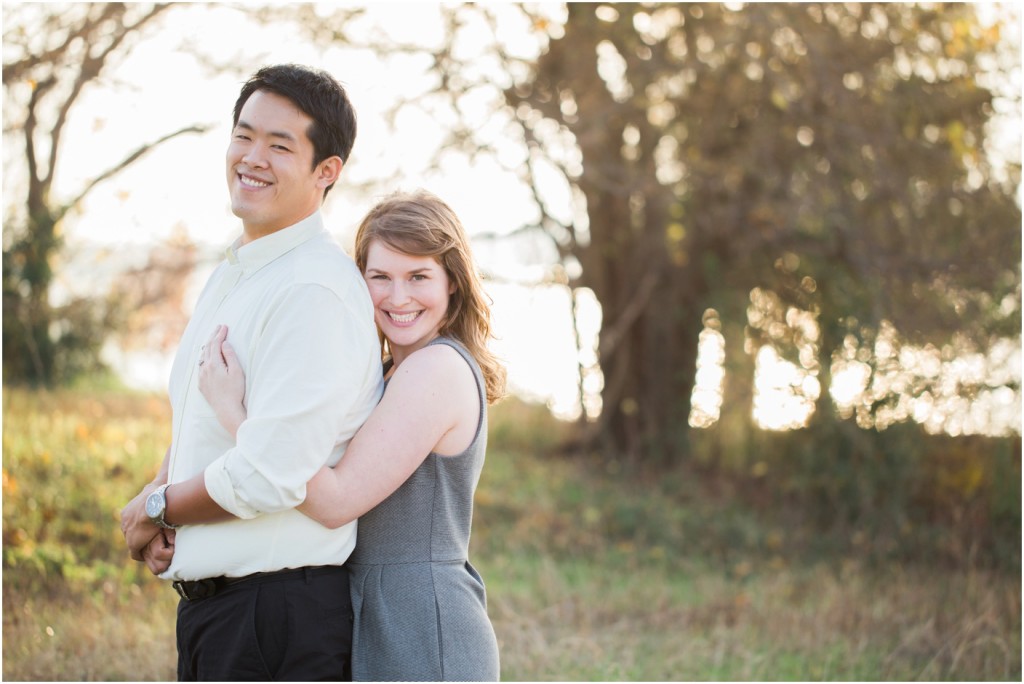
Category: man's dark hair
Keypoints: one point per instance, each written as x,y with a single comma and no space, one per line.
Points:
319,96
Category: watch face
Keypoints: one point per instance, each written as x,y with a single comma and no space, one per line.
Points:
154,505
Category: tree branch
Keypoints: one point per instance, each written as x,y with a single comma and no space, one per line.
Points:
613,336
29,126
197,128
92,66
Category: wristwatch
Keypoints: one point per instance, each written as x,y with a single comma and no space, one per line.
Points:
156,508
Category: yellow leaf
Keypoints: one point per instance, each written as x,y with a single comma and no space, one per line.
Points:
779,100
10,485
675,232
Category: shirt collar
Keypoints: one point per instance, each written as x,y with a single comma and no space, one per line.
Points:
255,255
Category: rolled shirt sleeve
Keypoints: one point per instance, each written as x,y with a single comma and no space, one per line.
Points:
310,368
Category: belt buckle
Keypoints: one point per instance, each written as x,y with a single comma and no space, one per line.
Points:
179,587
206,587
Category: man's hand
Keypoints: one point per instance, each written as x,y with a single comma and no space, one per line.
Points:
159,552
136,526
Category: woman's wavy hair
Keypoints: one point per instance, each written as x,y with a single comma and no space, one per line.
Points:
420,224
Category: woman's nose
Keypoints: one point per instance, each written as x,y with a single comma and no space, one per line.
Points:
399,293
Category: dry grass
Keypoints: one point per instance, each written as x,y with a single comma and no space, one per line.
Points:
811,624
591,575
573,621
123,634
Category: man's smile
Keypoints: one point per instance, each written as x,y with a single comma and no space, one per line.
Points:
250,182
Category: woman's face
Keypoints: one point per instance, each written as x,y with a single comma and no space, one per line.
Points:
410,296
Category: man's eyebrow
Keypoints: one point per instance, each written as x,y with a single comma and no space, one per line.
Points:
274,134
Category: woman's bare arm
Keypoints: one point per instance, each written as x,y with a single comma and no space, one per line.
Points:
431,404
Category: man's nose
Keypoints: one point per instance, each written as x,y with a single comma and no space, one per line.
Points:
256,155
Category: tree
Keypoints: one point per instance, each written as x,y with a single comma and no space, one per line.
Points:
831,154
53,54
831,157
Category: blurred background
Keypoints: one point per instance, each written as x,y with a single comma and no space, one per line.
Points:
756,272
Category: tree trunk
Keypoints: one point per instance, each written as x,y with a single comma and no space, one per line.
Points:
732,433
28,273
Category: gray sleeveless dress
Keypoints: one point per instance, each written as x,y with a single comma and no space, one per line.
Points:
420,608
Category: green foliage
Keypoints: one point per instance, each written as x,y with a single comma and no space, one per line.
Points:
46,344
71,461
517,426
895,494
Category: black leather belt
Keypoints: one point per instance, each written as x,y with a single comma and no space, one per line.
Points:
194,590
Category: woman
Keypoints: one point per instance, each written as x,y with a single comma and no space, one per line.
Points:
419,605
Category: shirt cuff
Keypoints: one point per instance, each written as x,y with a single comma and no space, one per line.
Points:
222,490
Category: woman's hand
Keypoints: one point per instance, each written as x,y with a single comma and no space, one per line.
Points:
222,381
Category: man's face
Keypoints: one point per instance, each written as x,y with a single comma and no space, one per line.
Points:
271,178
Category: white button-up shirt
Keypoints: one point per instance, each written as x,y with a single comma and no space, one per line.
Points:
300,319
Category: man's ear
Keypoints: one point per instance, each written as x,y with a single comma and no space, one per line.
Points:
328,171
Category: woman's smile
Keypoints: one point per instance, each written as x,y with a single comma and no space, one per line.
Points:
404,318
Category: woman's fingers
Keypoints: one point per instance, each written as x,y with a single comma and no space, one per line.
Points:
211,352
228,353
223,346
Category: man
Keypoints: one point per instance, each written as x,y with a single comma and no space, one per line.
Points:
264,593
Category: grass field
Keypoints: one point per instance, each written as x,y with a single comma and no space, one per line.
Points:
591,575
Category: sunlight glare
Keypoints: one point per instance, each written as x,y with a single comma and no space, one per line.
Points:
784,393
706,399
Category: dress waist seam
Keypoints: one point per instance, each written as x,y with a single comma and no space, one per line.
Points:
424,562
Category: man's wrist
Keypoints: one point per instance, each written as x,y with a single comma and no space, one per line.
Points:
156,508
167,525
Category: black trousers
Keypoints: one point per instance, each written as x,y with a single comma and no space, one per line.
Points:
297,627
